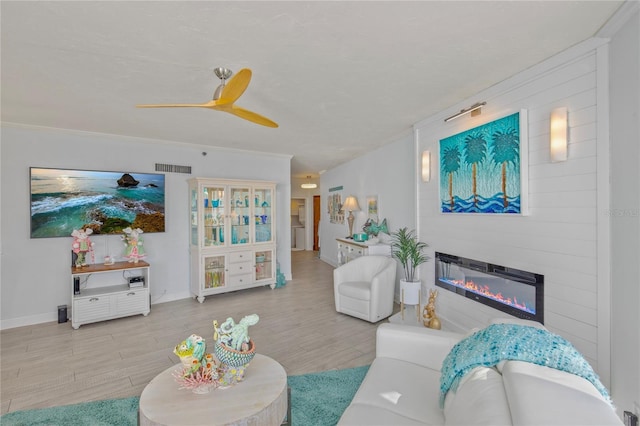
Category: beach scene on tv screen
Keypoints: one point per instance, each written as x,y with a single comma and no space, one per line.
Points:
107,202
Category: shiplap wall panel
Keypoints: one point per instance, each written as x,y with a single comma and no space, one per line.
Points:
558,238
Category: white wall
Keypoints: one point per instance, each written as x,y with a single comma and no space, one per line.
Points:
387,172
624,59
561,236
35,276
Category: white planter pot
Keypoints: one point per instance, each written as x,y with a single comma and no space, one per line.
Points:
410,292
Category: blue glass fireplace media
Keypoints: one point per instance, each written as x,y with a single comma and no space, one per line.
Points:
513,291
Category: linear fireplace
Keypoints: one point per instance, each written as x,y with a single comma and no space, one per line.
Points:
516,292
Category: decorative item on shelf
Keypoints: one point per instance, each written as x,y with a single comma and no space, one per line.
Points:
350,205
361,237
134,247
199,371
372,227
82,245
281,280
409,251
233,348
430,319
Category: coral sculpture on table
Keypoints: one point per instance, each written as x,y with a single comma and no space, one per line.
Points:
199,370
431,320
134,247
234,349
82,245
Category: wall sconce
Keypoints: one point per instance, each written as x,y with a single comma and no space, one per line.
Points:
350,205
473,109
558,135
426,166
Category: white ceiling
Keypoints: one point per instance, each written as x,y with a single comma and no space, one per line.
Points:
340,78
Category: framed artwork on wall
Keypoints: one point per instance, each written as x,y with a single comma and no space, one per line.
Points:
484,169
105,201
372,207
334,202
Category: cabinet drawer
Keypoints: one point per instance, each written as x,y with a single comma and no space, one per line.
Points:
240,256
356,251
240,268
132,301
90,308
241,280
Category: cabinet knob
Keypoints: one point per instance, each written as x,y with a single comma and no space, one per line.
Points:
93,299
131,294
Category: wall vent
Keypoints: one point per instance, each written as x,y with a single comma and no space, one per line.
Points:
172,168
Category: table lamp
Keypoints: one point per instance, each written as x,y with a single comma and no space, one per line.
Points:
351,205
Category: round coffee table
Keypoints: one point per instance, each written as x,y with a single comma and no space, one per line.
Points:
260,399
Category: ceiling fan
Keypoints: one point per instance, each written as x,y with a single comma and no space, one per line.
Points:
224,97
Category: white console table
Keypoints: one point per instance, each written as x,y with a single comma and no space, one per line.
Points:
110,297
349,249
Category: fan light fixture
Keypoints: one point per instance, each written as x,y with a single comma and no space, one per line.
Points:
225,96
473,109
309,185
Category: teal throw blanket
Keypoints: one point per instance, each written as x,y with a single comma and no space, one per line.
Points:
499,342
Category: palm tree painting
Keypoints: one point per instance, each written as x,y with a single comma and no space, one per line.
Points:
475,151
480,169
450,165
505,151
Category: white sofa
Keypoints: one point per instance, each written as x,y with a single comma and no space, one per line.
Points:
402,387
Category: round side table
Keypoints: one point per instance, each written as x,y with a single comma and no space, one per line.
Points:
260,399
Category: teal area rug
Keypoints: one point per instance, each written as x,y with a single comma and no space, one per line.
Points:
99,413
317,399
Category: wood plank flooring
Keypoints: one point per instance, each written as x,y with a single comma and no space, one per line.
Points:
51,364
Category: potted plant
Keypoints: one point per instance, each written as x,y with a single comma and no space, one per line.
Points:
409,251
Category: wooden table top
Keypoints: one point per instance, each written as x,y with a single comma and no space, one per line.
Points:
261,398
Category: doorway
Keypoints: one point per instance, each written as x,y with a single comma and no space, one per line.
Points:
316,222
298,224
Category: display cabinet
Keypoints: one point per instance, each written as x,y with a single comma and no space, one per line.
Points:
103,292
232,235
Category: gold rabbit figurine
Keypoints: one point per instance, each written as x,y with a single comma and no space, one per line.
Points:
429,316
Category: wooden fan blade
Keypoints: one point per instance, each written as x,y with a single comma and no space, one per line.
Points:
235,87
251,116
209,104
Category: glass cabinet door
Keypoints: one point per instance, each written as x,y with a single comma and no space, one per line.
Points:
213,216
264,265
214,275
240,215
193,212
262,199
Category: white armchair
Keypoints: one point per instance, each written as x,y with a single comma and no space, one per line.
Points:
364,287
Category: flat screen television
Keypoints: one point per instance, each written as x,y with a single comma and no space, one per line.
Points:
105,201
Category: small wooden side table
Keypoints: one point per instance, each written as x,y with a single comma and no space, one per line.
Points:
260,399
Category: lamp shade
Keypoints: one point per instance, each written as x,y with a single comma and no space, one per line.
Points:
351,204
